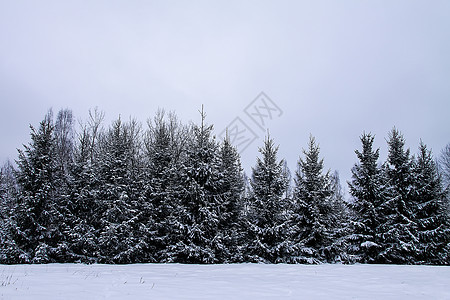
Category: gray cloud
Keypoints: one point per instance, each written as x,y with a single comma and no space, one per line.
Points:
334,68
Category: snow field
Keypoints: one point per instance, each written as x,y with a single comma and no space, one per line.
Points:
240,281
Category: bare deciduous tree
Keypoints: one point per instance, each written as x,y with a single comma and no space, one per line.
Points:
89,134
444,166
64,135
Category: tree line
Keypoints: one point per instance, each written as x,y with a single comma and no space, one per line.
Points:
172,193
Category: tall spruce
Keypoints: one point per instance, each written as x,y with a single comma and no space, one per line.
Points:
184,198
119,196
85,190
368,189
9,251
63,158
37,216
313,218
341,222
8,190
267,223
198,211
231,185
398,226
431,211
164,147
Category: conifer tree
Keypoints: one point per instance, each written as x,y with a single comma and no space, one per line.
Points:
341,224
231,185
117,170
398,226
179,196
8,190
313,219
431,217
199,199
164,147
337,198
36,216
63,148
267,225
9,251
367,189
85,188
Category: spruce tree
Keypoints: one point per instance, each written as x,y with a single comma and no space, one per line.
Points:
431,217
9,251
85,189
8,190
164,146
119,194
313,220
63,158
341,224
398,227
367,189
37,217
199,200
267,225
231,185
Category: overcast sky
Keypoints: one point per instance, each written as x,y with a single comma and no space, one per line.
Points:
332,68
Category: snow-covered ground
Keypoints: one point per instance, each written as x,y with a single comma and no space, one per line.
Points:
243,281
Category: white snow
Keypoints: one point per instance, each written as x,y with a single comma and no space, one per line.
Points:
241,281
369,244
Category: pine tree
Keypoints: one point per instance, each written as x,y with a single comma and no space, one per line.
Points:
367,189
341,224
9,251
117,170
267,226
313,220
337,198
63,147
431,217
199,200
37,217
231,189
398,226
85,188
164,147
8,190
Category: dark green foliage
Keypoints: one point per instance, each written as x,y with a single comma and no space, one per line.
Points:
173,194
313,219
165,143
84,191
119,194
398,226
432,222
338,250
8,190
368,191
267,224
231,189
200,200
9,250
36,217
399,210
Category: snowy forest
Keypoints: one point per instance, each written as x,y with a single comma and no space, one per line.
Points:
168,192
